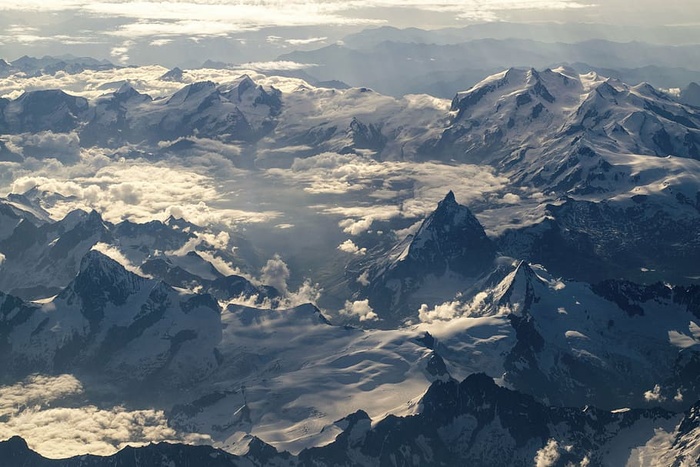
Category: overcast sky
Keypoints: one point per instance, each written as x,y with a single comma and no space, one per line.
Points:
116,29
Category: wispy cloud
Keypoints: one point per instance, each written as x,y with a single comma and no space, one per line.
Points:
207,18
275,66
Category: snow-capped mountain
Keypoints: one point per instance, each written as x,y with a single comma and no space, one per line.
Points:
43,110
614,344
580,180
40,260
35,67
472,422
287,376
447,254
613,157
554,128
130,327
239,111
41,256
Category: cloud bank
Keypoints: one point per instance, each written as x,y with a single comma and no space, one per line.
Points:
33,409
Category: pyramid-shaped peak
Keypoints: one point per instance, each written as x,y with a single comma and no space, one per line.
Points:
95,261
245,80
449,211
126,88
451,238
101,280
524,270
449,198
173,75
518,291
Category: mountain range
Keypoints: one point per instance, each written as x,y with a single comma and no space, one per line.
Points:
554,319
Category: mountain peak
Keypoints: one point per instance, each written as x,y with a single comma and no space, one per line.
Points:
449,199
518,288
101,280
174,75
453,236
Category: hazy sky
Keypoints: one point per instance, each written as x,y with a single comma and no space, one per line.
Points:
115,28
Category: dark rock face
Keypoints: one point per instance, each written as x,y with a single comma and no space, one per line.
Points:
47,256
450,238
691,95
100,317
101,280
45,110
450,241
593,241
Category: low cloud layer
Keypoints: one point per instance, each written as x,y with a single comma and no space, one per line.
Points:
33,409
134,190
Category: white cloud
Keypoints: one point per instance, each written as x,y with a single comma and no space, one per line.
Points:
353,227
113,252
275,273
64,147
308,292
137,190
679,396
363,279
548,455
356,177
33,409
160,42
654,394
511,198
360,310
64,432
311,40
275,66
35,390
121,53
2,259
348,246
443,312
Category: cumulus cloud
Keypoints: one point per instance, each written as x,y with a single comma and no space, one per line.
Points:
308,292
510,198
654,395
443,312
677,398
363,279
275,273
359,309
356,227
2,259
548,455
348,246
